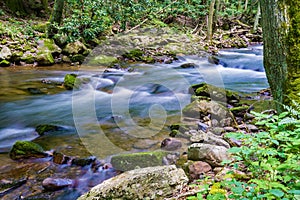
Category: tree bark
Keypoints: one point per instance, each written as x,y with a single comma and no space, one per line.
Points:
56,16
274,23
210,20
257,16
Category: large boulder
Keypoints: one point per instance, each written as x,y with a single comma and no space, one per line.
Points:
45,58
26,149
212,154
130,161
209,138
5,53
74,48
146,183
201,108
28,57
49,45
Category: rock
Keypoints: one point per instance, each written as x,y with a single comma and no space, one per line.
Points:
202,126
69,81
45,128
212,154
48,45
45,58
201,108
16,56
217,130
213,92
196,169
26,149
229,129
54,184
35,91
171,144
147,183
78,58
213,60
188,65
5,53
103,60
144,144
130,161
60,158
248,127
135,54
83,161
239,111
7,186
28,58
4,63
74,48
209,138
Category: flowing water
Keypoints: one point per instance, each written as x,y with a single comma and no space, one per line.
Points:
113,110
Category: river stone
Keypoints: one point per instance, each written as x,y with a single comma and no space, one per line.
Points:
146,183
44,128
215,93
103,60
198,168
69,81
45,58
201,108
5,53
171,144
130,161
212,154
209,138
48,45
28,57
26,149
74,48
53,184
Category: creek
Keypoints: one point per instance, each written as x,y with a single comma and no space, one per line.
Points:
113,110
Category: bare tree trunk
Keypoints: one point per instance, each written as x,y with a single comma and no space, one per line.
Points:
257,16
210,20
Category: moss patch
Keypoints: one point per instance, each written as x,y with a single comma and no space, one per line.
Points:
69,81
26,149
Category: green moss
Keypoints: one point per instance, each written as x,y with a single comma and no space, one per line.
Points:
125,162
4,63
42,129
78,58
26,149
103,60
69,81
45,58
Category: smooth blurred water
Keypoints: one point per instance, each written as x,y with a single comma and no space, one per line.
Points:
153,90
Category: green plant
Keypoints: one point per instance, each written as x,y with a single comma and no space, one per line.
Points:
270,157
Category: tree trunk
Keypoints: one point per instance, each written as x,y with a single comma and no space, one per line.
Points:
210,20
274,23
16,6
257,16
56,17
293,52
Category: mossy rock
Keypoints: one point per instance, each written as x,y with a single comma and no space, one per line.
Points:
28,58
26,149
239,111
4,63
103,60
78,58
126,162
74,48
45,59
69,81
135,54
44,128
213,92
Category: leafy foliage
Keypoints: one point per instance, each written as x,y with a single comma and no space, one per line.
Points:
270,157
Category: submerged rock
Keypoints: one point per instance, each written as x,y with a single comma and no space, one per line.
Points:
147,183
26,149
171,144
44,128
57,183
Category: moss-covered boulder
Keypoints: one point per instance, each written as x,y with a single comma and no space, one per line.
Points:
69,81
139,184
74,48
78,58
45,58
103,60
125,162
48,45
26,149
213,92
4,63
28,57
44,128
135,54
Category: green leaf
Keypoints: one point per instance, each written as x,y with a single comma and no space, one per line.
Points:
276,192
234,150
296,192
